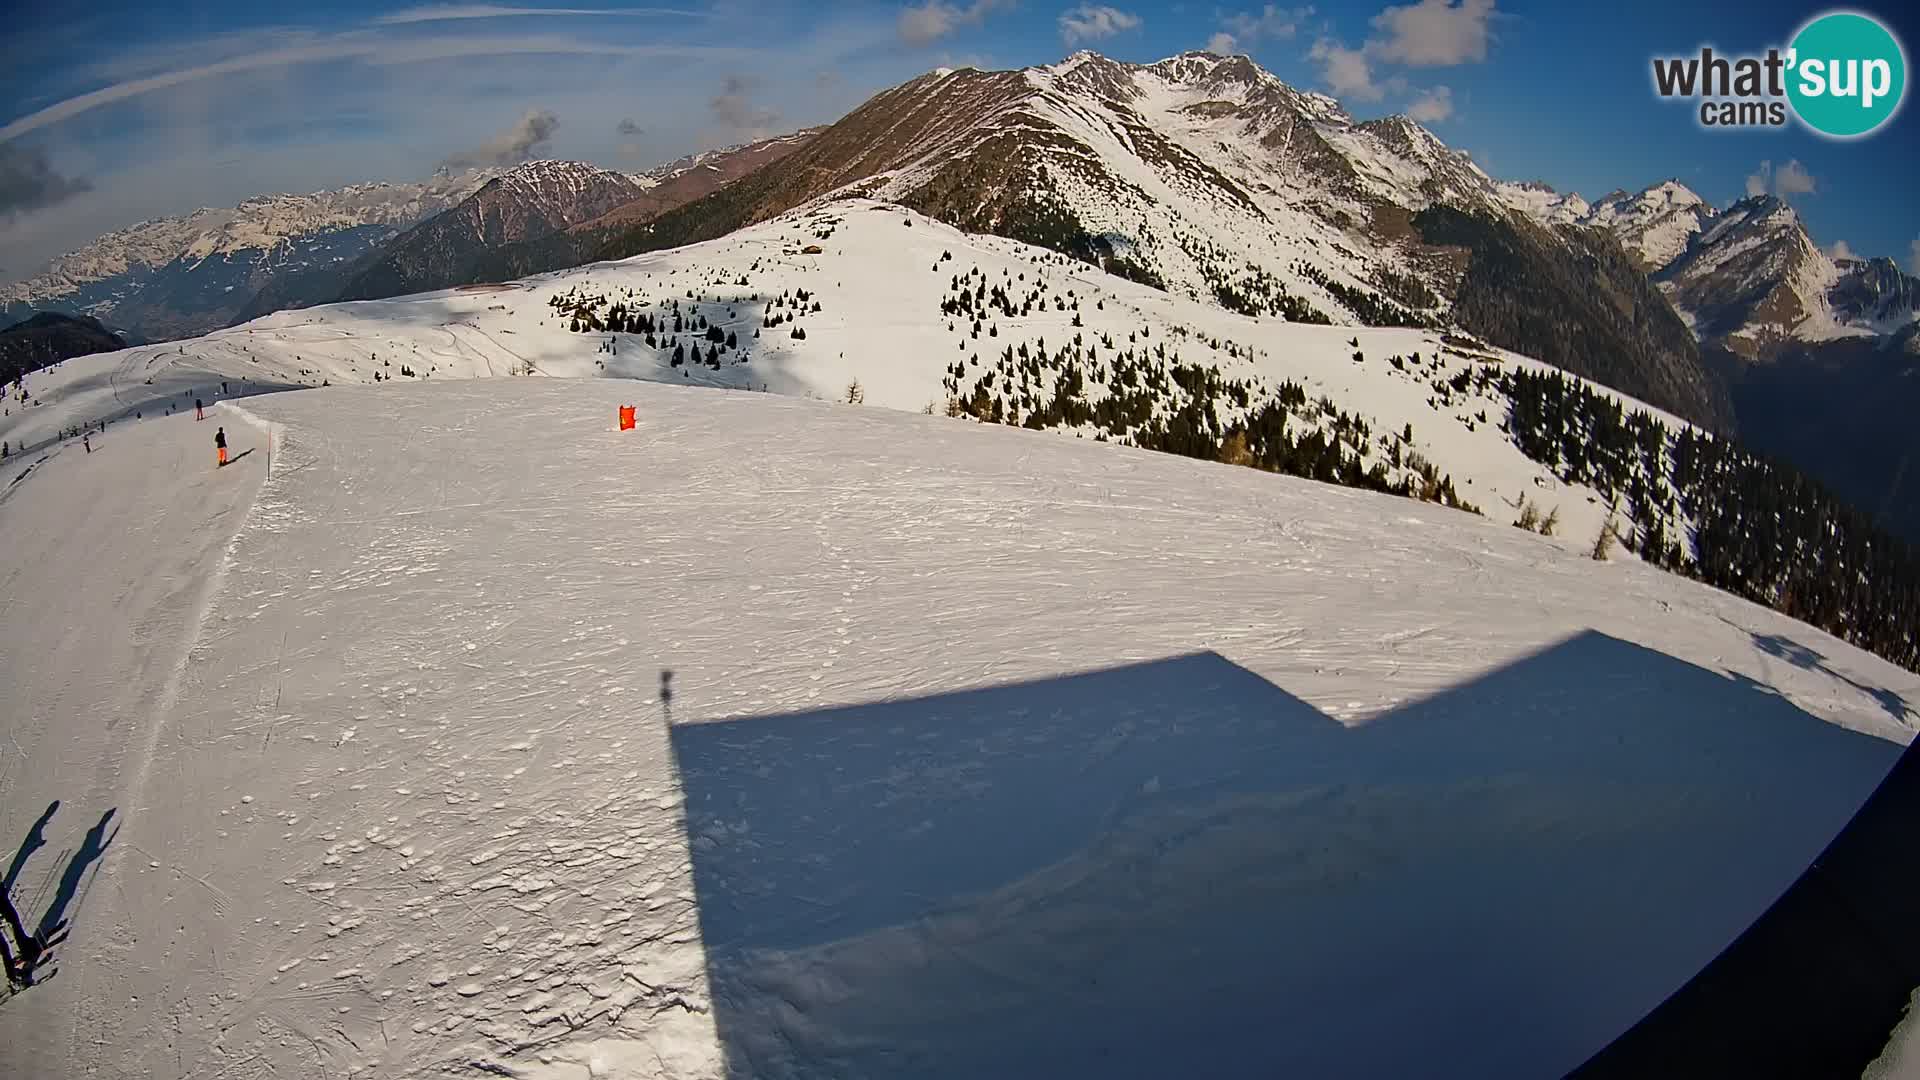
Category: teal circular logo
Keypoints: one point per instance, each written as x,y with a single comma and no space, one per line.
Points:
1848,74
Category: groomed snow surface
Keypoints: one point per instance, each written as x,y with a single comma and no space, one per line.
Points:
472,736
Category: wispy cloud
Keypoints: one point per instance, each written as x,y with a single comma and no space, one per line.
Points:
28,181
1784,182
1243,30
160,125
362,47
1841,250
936,19
1347,72
1432,106
1089,22
1913,256
511,147
450,12
1430,33
628,126
1433,33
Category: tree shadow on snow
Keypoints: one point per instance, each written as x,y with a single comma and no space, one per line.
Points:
1177,868
25,952
1808,659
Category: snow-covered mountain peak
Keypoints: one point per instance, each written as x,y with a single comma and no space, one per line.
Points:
546,177
1654,225
1538,200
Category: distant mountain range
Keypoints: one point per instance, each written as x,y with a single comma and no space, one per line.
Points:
183,276
1820,355
180,276
1202,175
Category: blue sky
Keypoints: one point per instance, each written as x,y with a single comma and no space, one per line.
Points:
123,110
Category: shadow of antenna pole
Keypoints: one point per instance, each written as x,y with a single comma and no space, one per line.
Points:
36,839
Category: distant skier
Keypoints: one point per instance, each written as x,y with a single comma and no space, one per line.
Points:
220,444
223,387
87,441
199,409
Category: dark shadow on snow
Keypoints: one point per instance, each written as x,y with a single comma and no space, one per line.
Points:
1807,659
25,953
1177,868
235,459
1816,985
35,839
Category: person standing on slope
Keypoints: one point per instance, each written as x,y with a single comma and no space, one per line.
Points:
220,444
199,409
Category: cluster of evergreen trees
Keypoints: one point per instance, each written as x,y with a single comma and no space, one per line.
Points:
969,296
1143,394
662,325
1258,292
1251,290
1371,308
1704,507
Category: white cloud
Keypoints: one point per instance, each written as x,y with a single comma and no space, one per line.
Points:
1429,33
1433,33
1433,106
1244,29
936,19
1091,23
1913,256
1793,179
1785,182
1347,72
518,143
448,12
1841,250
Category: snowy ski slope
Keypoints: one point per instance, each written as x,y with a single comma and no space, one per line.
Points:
475,737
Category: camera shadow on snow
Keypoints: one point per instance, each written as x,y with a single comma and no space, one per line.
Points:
1176,867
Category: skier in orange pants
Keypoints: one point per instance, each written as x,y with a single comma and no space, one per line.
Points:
220,444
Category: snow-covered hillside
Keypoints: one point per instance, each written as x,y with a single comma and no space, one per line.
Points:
880,278
453,731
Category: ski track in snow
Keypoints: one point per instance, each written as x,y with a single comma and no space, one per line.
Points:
414,804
